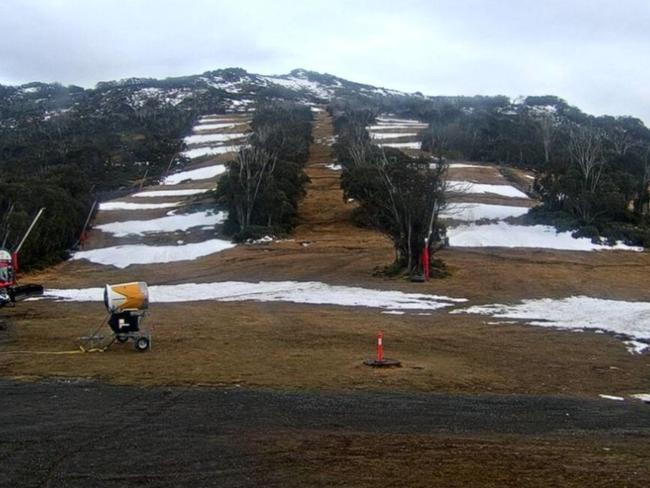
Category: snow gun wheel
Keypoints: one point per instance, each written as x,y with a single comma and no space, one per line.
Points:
121,338
141,344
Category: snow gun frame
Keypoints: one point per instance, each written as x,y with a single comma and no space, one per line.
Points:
10,290
127,305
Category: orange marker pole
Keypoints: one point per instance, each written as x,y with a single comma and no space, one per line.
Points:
380,346
425,261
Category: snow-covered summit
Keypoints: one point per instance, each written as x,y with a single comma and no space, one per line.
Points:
311,84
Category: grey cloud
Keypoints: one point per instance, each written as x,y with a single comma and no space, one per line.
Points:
590,52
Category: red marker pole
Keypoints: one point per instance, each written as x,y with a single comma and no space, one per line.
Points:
425,261
380,362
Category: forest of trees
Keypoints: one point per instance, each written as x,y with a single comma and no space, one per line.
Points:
62,148
265,182
592,172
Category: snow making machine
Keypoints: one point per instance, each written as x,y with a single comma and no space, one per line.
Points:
127,305
10,291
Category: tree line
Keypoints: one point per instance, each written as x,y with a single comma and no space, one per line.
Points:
265,182
65,147
592,173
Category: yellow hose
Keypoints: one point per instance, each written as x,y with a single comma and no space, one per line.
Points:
81,350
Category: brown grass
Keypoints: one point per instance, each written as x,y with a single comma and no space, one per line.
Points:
335,458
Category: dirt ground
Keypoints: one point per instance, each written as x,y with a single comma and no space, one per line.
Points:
118,436
364,460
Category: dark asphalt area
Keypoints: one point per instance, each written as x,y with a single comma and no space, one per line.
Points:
86,434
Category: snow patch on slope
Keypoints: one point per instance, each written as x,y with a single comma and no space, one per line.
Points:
402,145
195,174
630,320
126,255
170,223
169,193
200,152
211,127
391,135
467,165
380,127
300,84
207,138
469,187
644,397
502,234
471,212
393,120
135,206
310,292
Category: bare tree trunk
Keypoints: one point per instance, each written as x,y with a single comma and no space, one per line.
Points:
255,166
547,128
642,205
621,141
586,151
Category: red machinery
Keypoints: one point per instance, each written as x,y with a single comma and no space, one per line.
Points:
10,291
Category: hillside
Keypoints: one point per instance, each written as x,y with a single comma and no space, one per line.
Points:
319,284
259,345
64,147
520,362
224,89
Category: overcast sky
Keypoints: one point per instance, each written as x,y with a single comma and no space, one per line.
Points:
593,53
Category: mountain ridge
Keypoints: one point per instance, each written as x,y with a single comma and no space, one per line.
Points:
236,89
